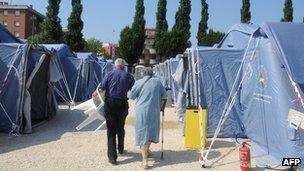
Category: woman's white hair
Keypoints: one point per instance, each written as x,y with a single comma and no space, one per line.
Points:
119,63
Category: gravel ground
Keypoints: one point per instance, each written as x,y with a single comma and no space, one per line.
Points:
57,145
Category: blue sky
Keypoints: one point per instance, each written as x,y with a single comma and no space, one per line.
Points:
101,17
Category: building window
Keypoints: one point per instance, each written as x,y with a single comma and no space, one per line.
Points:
17,12
5,12
5,23
16,34
17,23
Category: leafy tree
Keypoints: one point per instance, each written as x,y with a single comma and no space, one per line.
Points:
212,38
203,25
37,38
245,12
51,28
173,40
74,36
126,47
288,11
182,26
93,45
161,26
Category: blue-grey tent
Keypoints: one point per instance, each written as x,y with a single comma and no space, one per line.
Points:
6,36
217,68
27,75
71,68
106,65
165,71
172,68
272,73
91,72
258,72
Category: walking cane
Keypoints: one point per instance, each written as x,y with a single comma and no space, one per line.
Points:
162,136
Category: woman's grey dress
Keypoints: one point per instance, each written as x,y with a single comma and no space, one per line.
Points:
147,109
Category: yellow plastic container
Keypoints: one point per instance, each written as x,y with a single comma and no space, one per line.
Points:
196,128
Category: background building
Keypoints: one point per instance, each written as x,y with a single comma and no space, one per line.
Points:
149,54
21,20
110,50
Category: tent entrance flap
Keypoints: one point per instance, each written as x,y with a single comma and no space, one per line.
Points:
39,90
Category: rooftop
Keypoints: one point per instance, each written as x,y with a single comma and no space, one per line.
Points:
6,6
150,28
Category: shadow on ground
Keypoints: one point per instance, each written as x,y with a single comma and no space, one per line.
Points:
170,158
167,124
64,122
221,144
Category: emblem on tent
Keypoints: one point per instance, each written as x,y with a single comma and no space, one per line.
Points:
261,78
249,72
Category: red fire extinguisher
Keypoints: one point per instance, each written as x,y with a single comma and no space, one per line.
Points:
244,152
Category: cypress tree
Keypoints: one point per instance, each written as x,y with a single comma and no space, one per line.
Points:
139,20
288,11
132,39
161,26
245,12
76,2
138,28
74,36
203,25
212,38
51,28
181,28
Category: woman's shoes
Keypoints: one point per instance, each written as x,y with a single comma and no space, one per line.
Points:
144,165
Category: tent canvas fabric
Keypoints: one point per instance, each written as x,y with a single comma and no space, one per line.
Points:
266,89
212,71
173,67
91,73
218,68
6,36
71,69
83,72
26,94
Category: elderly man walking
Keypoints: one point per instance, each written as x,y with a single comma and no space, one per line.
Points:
116,84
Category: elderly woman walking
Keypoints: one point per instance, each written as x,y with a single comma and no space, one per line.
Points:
150,97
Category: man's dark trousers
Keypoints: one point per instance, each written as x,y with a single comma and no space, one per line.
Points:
116,111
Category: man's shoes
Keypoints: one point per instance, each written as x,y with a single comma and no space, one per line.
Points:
120,149
113,162
121,152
